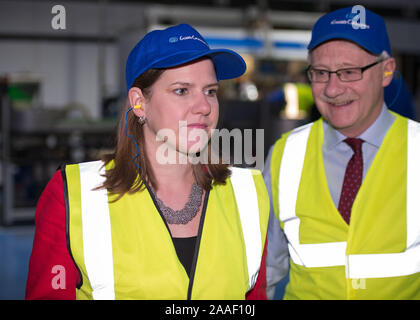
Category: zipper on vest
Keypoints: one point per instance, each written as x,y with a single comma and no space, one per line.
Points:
197,246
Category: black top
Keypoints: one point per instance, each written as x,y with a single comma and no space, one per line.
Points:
185,248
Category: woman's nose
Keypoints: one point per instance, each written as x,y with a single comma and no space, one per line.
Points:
202,104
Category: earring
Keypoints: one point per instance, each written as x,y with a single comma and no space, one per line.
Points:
142,120
138,106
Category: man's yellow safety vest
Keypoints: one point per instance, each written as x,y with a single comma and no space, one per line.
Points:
124,249
377,256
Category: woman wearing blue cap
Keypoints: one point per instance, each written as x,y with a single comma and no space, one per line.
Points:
148,222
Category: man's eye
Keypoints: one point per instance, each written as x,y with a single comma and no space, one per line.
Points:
349,72
320,72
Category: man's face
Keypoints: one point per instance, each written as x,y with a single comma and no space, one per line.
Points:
350,107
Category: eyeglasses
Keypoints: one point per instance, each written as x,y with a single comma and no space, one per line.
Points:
345,74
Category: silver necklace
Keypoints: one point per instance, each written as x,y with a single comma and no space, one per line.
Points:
187,213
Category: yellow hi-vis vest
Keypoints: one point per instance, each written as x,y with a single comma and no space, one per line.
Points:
377,256
124,249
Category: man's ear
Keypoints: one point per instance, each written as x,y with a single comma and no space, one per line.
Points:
137,100
388,71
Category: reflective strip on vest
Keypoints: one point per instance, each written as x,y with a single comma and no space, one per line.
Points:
358,266
307,255
247,202
97,241
96,223
407,262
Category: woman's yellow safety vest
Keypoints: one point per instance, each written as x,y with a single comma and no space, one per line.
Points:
377,256
124,249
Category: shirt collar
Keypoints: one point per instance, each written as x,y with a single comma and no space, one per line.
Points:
372,135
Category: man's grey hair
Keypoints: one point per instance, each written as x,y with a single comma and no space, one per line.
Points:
383,56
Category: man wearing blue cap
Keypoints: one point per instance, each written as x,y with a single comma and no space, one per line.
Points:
345,210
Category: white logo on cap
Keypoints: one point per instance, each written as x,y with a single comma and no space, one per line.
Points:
181,38
357,18
354,25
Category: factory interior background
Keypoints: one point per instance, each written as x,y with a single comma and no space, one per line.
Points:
62,84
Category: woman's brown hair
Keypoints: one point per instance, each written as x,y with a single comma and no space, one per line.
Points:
125,176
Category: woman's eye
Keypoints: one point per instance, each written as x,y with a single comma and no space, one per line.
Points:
211,92
180,91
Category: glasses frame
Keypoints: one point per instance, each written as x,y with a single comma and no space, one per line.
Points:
362,69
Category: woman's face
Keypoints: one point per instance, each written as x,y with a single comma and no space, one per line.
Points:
182,108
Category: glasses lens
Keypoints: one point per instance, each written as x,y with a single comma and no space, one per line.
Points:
317,75
351,74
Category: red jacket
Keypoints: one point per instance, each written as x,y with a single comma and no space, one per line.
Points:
52,271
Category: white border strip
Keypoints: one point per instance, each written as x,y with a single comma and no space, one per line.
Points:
97,241
413,184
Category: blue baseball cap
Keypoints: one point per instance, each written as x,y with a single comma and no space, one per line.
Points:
356,24
177,45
